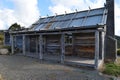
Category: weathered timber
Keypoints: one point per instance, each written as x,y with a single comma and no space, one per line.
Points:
103,45
12,43
41,47
37,44
24,50
84,45
52,45
62,48
96,49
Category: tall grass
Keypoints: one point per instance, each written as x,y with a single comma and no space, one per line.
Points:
112,69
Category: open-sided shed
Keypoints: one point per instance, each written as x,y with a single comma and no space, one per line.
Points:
80,38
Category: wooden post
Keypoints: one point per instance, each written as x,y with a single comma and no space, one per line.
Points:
103,38
12,43
36,45
28,44
73,43
15,37
96,49
62,48
41,47
4,39
24,45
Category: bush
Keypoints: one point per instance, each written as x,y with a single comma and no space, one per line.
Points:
7,47
118,52
112,69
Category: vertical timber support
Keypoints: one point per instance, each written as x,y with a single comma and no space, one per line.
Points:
96,49
62,48
15,37
103,38
73,43
24,45
4,39
28,43
12,43
41,47
36,45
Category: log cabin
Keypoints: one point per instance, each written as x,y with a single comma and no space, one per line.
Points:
84,38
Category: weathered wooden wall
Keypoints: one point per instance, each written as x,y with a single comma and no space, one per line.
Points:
84,44
52,44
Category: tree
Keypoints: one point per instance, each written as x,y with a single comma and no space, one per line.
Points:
14,27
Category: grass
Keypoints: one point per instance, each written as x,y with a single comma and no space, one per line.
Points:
112,68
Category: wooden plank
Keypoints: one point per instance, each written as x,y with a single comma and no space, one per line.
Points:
50,45
57,32
84,44
62,48
90,37
41,47
24,45
96,49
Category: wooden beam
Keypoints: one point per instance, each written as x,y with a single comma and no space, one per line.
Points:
41,47
103,48
15,37
12,43
56,33
62,48
96,49
4,39
28,43
36,44
24,45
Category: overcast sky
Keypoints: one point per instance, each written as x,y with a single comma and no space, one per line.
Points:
26,12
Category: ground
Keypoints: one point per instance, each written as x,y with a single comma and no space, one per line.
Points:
25,68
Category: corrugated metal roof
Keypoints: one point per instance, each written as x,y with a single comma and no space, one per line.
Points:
77,19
